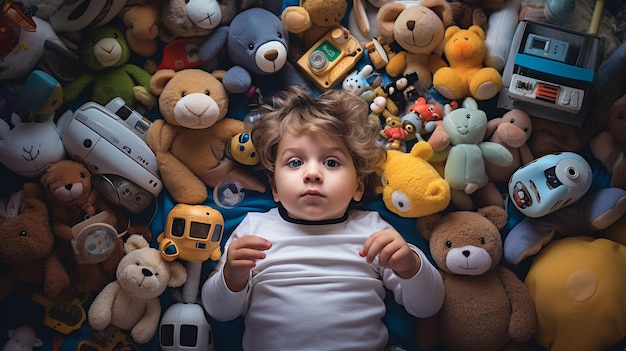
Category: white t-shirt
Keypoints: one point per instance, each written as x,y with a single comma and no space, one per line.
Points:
313,291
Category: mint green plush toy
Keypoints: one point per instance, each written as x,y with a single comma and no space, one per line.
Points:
105,54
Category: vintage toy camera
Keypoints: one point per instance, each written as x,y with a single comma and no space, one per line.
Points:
124,168
330,60
550,183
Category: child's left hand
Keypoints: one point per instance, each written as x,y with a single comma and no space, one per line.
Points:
393,252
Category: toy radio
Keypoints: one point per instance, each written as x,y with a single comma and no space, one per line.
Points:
330,60
550,72
192,233
549,183
124,167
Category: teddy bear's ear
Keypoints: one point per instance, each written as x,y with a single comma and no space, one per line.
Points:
423,150
178,275
495,214
450,31
426,224
135,242
478,30
386,18
159,80
34,190
441,8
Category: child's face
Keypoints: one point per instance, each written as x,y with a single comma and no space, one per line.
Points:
315,177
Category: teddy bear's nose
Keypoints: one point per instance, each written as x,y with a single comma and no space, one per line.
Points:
146,272
466,253
271,55
68,186
410,25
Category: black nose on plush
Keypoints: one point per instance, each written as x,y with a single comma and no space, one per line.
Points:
466,253
146,272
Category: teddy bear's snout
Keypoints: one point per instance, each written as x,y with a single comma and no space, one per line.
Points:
146,272
410,25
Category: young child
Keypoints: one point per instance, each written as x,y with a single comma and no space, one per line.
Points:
310,274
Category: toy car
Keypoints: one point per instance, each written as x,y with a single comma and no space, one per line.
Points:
549,183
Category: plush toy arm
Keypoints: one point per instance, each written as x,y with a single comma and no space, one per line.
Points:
99,313
291,77
62,231
213,44
146,327
396,64
435,62
237,80
427,333
55,277
73,89
296,19
140,76
523,323
496,153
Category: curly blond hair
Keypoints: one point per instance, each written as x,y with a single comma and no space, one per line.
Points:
339,114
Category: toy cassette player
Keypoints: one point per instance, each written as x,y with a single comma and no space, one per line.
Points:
330,60
108,140
549,72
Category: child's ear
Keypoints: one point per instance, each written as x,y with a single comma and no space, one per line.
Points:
274,192
360,190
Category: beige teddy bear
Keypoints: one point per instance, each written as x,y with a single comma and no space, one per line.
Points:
190,141
132,301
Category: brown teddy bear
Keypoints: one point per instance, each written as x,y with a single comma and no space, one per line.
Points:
486,306
474,12
419,30
609,145
131,302
141,19
27,251
190,140
68,188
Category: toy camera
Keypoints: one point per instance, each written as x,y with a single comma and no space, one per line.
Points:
192,233
549,183
330,60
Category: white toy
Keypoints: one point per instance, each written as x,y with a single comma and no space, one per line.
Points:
131,302
23,338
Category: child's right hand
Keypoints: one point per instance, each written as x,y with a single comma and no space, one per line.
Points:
241,258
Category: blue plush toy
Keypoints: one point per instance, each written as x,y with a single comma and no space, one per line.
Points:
257,44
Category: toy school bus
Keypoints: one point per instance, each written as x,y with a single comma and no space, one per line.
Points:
192,233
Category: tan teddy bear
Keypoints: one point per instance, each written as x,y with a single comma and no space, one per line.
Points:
132,301
190,141
466,75
486,306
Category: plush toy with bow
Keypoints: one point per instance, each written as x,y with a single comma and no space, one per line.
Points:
411,187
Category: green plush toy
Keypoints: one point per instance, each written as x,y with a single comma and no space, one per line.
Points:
105,53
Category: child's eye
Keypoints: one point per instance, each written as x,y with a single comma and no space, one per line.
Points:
294,163
331,163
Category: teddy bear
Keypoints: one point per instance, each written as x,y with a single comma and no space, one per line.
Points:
141,20
466,75
22,338
106,55
486,306
464,167
512,130
131,302
27,254
74,200
256,52
190,140
410,186
474,12
609,145
310,20
419,30
196,18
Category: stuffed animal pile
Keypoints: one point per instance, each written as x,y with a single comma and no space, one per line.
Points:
191,76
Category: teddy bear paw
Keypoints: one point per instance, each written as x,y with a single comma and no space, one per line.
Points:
486,91
520,243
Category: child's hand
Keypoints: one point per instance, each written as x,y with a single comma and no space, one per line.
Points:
393,252
242,255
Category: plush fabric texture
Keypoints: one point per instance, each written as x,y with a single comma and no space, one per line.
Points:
474,12
310,20
131,302
141,20
407,195
486,307
466,74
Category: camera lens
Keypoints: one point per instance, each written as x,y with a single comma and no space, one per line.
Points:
317,61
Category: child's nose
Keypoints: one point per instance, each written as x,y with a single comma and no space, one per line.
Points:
312,173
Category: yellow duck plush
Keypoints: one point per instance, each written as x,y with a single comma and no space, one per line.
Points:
411,187
466,74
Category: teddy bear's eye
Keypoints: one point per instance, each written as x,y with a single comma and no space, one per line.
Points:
82,175
482,241
207,93
448,244
279,35
183,94
468,116
137,263
466,39
512,120
251,46
22,233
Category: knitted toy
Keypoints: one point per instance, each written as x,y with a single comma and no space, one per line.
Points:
411,187
105,53
258,52
131,302
311,20
466,74
512,130
465,169
419,30
27,254
486,306
190,141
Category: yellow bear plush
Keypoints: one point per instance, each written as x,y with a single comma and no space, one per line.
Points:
466,75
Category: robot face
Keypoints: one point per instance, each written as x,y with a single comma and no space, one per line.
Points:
550,183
